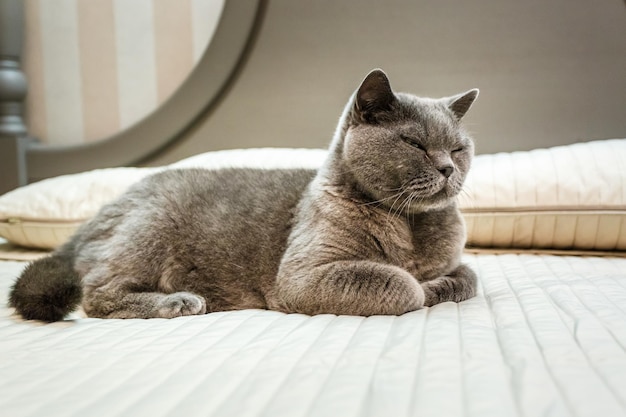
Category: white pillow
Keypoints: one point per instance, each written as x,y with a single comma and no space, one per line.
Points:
46,213
568,197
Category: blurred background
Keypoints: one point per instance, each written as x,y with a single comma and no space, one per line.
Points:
550,71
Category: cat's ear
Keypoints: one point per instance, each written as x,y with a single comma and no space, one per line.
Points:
461,103
374,95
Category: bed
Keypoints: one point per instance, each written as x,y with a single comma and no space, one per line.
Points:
545,336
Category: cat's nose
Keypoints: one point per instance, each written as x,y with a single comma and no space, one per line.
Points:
446,171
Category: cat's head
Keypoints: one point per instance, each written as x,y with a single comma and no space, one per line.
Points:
407,152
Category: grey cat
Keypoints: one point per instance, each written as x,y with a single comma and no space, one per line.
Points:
376,230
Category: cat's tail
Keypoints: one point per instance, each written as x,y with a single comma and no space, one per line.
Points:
48,289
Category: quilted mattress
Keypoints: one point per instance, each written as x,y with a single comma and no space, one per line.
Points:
544,337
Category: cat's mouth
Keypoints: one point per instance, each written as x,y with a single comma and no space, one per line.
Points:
432,194
420,194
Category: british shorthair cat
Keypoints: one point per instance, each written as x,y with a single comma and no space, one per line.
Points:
376,230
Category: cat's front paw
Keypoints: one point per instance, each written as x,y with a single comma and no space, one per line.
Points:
458,286
181,304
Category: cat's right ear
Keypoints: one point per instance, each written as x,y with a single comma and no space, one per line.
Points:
374,95
460,104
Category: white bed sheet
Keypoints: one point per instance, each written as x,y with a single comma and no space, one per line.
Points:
544,337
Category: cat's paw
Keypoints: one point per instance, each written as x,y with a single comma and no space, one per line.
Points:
181,304
449,288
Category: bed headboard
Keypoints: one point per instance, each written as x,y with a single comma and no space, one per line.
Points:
550,73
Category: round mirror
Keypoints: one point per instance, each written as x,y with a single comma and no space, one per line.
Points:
112,82
96,68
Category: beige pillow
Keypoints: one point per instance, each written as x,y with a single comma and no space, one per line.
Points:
46,213
568,197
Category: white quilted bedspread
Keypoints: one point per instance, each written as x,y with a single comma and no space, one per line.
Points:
544,337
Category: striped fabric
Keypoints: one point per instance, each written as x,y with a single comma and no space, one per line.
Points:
96,67
545,336
561,198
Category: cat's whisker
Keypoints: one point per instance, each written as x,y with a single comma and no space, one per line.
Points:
470,203
392,213
369,203
412,212
399,191
405,205
392,210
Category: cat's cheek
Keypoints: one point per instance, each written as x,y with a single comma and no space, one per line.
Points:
357,143
463,159
362,152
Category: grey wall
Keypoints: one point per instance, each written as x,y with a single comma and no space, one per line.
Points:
550,71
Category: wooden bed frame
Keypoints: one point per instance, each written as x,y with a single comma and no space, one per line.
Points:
24,159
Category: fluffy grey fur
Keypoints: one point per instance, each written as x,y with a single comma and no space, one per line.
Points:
375,231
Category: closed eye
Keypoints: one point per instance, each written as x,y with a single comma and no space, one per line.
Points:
412,142
457,150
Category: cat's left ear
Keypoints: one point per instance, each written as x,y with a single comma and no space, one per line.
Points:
374,95
461,103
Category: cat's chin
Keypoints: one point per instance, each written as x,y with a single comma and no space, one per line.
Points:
441,199
435,205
